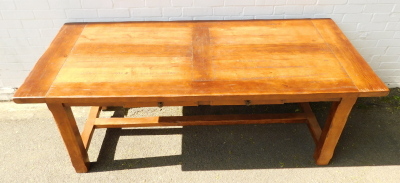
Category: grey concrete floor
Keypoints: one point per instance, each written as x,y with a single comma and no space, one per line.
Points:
31,149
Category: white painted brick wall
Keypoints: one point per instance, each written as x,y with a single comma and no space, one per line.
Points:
21,33
182,3
197,11
228,11
378,8
4,33
128,3
349,9
270,2
318,9
289,10
64,4
258,10
358,18
81,13
17,14
301,1
31,4
156,3
238,2
115,13
394,26
397,8
5,93
7,5
146,12
202,3
397,35
386,17
28,26
171,12
95,4
49,14
332,1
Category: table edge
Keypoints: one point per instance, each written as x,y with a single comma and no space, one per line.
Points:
40,79
360,72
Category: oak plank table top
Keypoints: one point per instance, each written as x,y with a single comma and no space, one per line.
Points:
139,64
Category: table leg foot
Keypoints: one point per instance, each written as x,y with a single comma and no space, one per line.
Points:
332,129
69,131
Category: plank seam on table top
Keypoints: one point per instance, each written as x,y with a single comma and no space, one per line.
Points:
341,66
202,41
73,47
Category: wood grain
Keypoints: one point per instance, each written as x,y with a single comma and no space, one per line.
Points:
367,82
333,129
72,139
189,63
39,81
197,59
202,66
88,130
200,120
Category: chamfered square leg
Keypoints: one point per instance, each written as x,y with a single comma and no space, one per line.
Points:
333,129
69,131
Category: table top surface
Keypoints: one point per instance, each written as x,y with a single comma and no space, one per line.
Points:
198,59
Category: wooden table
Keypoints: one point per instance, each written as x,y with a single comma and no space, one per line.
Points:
141,64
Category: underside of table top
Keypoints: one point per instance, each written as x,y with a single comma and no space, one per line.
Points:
93,61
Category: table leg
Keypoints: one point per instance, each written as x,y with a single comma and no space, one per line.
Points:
69,131
333,129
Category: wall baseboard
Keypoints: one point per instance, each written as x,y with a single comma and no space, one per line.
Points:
6,94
